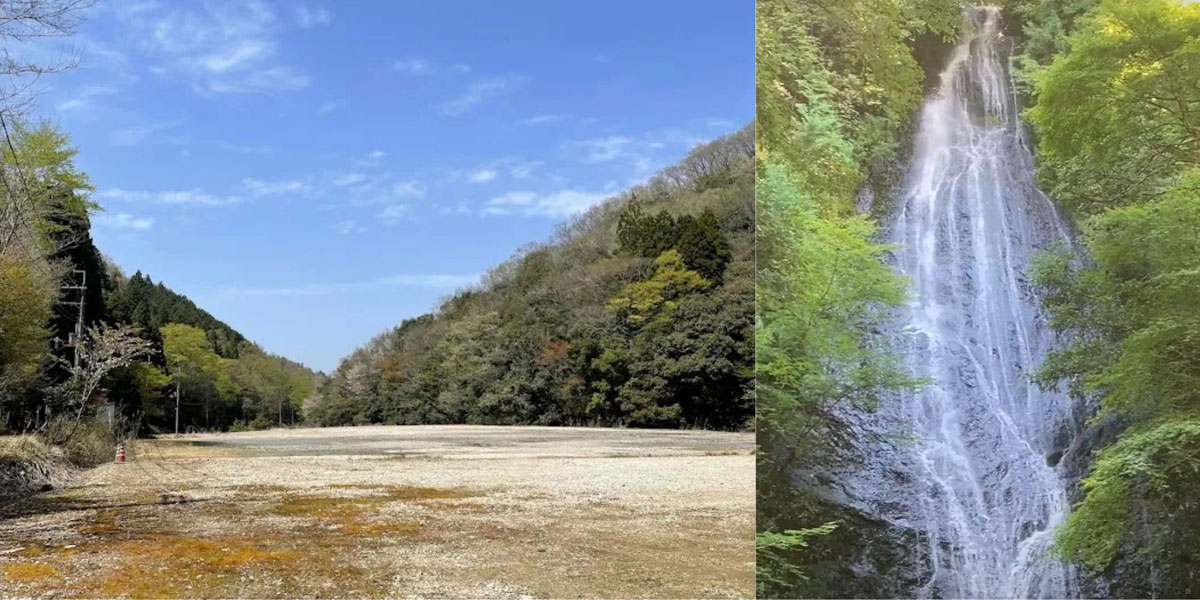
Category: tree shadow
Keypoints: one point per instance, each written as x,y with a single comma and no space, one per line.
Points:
49,503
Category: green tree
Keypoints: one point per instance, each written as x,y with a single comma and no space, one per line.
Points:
1118,144
25,301
703,245
657,297
199,373
645,235
1118,116
1136,339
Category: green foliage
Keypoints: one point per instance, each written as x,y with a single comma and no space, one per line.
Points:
837,85
1134,308
1151,470
187,350
823,292
1119,115
1118,145
656,298
46,187
1132,314
149,382
702,245
646,235
700,241
1045,26
25,301
140,301
203,378
44,236
272,388
774,573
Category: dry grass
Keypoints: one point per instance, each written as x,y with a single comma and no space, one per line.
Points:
24,447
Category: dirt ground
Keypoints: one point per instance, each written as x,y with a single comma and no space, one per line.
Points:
427,511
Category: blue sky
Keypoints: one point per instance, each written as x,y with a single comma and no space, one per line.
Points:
312,174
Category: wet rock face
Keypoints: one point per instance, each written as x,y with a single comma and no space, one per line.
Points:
970,476
866,558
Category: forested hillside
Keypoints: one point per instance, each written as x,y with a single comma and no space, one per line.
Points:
75,333
638,313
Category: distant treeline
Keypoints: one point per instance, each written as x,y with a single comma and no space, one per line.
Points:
141,342
639,312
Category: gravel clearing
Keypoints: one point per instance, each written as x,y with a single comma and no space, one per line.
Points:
381,511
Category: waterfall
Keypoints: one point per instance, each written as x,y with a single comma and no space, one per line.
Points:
987,496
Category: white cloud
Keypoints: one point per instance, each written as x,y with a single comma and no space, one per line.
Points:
372,159
96,52
412,66
136,134
218,47
481,176
479,92
348,227
544,120
433,280
393,214
124,221
192,196
560,204
84,100
642,152
308,18
606,149
408,189
459,209
258,187
524,170
514,199
326,108
275,79
349,179
232,57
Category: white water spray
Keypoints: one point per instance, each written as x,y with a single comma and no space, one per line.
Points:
969,222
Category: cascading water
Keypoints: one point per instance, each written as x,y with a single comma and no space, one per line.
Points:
971,218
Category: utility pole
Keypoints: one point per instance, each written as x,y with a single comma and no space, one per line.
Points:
76,337
177,404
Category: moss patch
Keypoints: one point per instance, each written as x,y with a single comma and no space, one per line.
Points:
28,572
